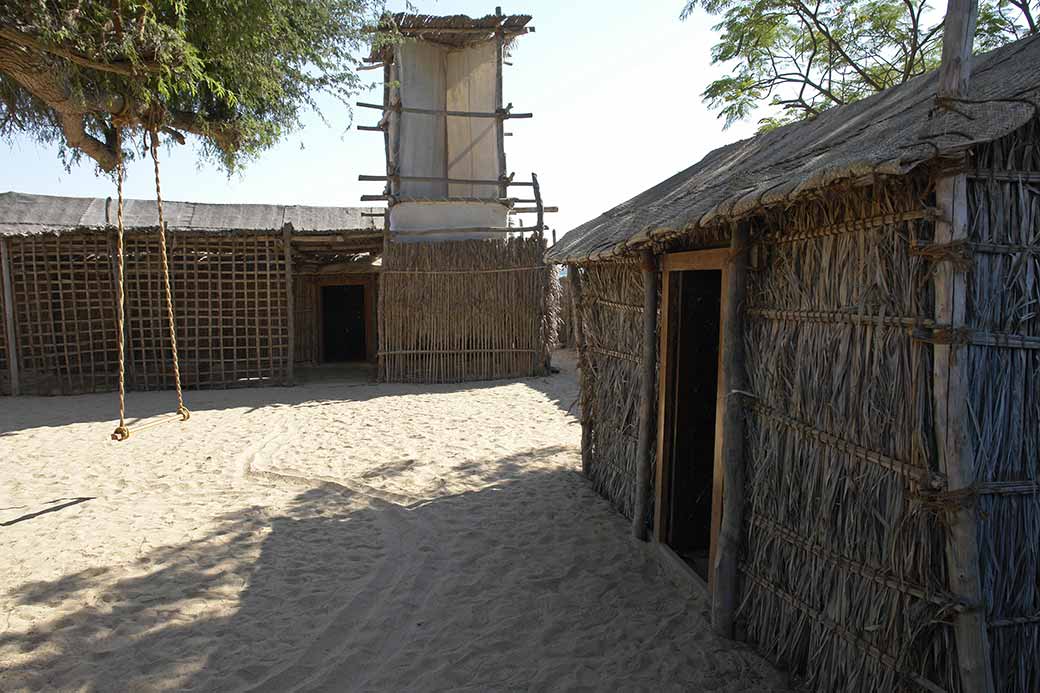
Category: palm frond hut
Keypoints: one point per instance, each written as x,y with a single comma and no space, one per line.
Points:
467,293
833,332
247,291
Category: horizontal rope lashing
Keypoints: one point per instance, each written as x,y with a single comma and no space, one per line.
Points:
483,271
885,659
614,304
924,476
449,352
866,224
876,574
997,175
943,334
838,317
1033,620
1009,488
960,252
613,354
967,496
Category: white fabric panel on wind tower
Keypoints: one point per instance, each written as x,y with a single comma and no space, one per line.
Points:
423,149
408,217
472,142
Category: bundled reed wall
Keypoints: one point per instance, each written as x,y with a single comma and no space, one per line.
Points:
5,368
306,320
565,338
229,295
844,568
1003,364
466,310
612,327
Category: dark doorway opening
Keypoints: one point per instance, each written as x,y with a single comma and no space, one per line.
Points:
692,482
343,323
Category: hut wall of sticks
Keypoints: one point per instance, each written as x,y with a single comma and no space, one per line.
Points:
608,302
231,274
880,445
465,293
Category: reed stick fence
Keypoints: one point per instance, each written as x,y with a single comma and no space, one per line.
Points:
467,310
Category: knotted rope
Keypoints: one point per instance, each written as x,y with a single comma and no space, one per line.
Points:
121,432
181,409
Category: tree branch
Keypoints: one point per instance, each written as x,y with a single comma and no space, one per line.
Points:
822,28
34,73
120,67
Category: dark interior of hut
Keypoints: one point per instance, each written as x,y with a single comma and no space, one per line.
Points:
693,443
343,323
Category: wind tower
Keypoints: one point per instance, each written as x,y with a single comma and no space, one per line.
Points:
464,290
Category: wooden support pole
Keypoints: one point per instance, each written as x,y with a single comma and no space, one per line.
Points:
534,210
952,416
368,178
9,315
393,99
538,202
953,443
577,305
726,595
500,137
290,305
502,114
644,463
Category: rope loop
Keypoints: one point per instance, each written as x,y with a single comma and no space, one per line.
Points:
121,432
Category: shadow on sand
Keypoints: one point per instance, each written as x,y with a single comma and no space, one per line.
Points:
530,584
22,413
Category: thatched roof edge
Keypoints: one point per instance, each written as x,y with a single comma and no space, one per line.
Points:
890,133
25,214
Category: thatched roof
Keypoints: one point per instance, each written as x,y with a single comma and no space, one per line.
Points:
24,214
452,30
888,133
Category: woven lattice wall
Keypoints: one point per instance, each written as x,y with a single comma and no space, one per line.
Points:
612,309
466,310
64,307
229,295
1003,361
843,571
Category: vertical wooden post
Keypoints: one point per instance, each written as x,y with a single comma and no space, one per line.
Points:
647,400
290,304
726,596
393,128
577,305
540,210
500,123
9,316
952,419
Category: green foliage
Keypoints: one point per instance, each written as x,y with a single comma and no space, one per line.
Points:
802,57
238,73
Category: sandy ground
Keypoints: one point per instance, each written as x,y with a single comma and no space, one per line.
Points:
334,536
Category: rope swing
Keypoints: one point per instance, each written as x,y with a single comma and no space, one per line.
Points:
122,431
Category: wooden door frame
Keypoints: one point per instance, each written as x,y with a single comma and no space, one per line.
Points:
671,264
369,283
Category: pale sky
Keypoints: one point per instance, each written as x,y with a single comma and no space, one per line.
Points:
614,87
